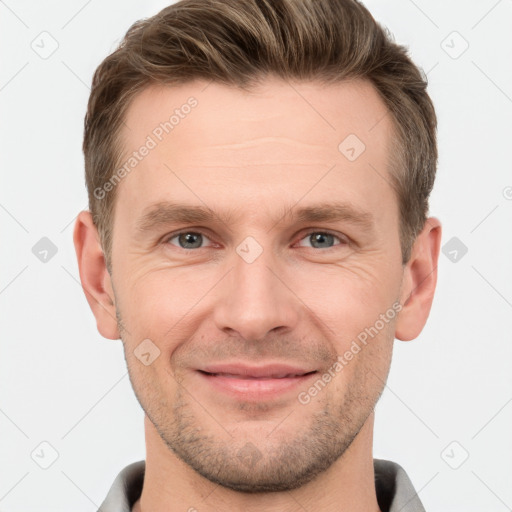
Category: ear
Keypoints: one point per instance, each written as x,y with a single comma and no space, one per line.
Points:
419,282
96,281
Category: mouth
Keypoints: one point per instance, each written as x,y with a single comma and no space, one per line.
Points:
238,376
255,383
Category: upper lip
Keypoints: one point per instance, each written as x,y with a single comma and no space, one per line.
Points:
269,371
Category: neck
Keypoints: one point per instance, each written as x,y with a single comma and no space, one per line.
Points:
170,485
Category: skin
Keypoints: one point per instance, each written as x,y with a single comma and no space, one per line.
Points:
258,155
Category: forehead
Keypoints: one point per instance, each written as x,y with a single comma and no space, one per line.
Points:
216,142
318,112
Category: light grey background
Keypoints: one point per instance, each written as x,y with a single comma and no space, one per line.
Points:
449,394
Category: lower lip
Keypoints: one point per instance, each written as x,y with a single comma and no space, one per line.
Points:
256,389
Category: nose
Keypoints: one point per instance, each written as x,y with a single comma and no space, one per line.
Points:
255,299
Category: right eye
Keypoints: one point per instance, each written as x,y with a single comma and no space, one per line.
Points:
188,239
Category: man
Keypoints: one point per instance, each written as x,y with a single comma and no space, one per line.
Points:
258,175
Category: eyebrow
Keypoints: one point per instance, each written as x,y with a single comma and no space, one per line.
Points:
167,212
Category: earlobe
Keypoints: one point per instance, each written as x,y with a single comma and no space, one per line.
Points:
419,282
96,281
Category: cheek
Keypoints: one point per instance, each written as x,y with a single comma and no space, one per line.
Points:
155,388
350,298
158,301
364,361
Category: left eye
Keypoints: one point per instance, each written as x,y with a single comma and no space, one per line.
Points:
321,240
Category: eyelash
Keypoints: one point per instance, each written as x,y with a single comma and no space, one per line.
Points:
343,239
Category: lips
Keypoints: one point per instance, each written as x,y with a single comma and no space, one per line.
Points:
269,371
255,383
273,376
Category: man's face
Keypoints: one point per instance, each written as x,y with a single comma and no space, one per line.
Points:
250,306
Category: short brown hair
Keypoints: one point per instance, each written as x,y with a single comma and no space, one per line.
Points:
238,43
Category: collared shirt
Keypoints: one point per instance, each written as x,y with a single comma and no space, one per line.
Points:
395,492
